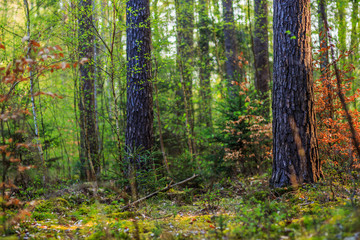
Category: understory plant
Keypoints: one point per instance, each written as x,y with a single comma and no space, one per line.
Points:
247,135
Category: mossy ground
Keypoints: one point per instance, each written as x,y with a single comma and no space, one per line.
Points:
246,209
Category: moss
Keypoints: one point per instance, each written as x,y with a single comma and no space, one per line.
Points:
123,215
40,216
261,195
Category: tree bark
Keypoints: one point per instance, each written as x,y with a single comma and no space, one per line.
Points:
233,70
139,129
205,69
89,139
295,147
261,53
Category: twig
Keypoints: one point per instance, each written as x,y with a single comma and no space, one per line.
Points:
159,191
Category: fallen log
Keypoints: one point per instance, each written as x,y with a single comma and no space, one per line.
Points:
159,191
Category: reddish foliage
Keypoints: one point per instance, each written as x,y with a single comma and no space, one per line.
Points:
334,137
17,142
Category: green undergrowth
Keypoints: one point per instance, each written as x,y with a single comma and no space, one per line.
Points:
244,209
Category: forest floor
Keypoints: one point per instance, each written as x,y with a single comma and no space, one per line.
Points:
245,209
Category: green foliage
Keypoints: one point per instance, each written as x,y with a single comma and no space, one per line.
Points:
246,135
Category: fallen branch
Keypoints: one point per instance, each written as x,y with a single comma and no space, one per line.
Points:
157,192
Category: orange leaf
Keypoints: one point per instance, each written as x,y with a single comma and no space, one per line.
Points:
212,226
14,160
35,43
58,47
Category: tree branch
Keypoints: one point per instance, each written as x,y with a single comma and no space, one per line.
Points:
159,191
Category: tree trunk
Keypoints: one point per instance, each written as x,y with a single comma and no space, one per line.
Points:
295,147
139,129
185,52
89,145
261,53
156,38
33,105
322,35
324,60
354,22
354,42
342,24
205,69
233,70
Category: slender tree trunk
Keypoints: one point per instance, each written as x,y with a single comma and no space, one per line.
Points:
219,48
139,129
322,35
233,70
324,60
33,105
156,38
205,69
354,42
87,110
342,23
96,83
261,53
185,49
295,147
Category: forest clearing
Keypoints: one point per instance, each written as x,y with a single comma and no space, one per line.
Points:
179,119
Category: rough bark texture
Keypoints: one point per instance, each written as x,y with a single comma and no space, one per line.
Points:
295,147
205,70
261,52
88,141
233,71
139,129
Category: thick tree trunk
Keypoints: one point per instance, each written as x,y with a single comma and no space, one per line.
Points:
295,147
89,145
233,70
139,129
205,70
261,53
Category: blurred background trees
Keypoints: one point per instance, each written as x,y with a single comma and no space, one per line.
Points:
208,82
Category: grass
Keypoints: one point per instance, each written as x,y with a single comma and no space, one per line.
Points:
245,209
